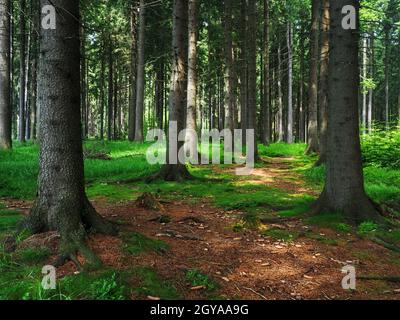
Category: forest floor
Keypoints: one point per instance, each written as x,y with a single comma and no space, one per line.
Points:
193,245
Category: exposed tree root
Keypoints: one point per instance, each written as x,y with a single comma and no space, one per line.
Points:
363,209
176,173
73,229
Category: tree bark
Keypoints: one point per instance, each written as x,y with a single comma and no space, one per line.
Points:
177,172
252,67
344,190
266,109
22,73
61,204
323,87
140,75
5,88
110,89
313,145
132,100
289,136
192,75
229,72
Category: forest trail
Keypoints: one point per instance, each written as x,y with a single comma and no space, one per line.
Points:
201,239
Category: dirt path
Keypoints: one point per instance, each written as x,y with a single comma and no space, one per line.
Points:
246,265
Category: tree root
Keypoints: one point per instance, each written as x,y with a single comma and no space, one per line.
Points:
172,173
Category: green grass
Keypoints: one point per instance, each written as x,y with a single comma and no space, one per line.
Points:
150,284
195,279
136,243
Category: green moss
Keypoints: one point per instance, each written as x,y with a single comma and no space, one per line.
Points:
137,243
150,284
367,228
195,278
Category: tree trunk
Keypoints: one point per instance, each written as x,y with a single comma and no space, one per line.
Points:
280,95
289,136
386,61
5,89
132,100
266,109
140,75
323,88
22,73
229,72
243,68
313,146
344,190
252,67
110,89
192,76
371,90
177,172
61,204
364,91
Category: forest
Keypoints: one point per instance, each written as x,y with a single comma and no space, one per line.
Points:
199,150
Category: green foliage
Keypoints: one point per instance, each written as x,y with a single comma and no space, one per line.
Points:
282,150
367,228
32,255
195,278
382,149
137,243
150,284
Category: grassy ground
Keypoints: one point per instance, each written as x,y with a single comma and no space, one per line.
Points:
110,180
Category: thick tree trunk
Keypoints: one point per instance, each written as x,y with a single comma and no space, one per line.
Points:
344,189
313,145
5,88
61,204
170,171
243,68
140,75
266,108
323,87
192,76
132,100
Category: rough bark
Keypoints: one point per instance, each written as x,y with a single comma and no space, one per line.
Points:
177,172
5,90
289,135
252,67
266,110
192,75
323,87
229,65
22,73
344,190
140,75
110,90
132,100
61,204
312,136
